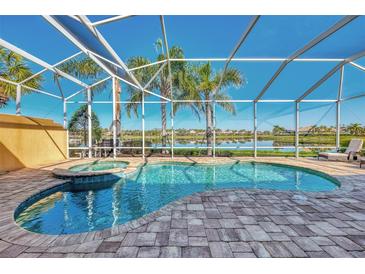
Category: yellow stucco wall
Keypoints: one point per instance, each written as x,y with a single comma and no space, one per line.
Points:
30,142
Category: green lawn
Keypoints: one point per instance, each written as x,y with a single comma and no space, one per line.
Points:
241,153
327,140
282,140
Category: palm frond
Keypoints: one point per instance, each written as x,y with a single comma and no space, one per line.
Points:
143,75
232,77
84,68
227,106
13,67
133,107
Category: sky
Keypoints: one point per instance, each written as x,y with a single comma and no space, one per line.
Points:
204,37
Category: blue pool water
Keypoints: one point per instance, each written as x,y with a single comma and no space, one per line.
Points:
152,187
99,165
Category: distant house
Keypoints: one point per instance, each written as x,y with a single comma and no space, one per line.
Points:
74,139
305,130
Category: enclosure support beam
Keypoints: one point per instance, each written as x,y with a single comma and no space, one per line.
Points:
85,20
306,48
205,101
338,125
18,99
94,55
255,60
297,121
45,69
236,48
357,66
65,114
214,129
148,65
65,126
93,85
89,122
172,129
114,121
109,20
338,109
143,133
33,89
330,73
163,28
255,129
353,97
244,36
40,62
76,42
67,145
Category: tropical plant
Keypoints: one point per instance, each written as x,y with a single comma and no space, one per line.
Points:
355,129
179,72
79,122
323,129
13,67
278,130
86,69
204,87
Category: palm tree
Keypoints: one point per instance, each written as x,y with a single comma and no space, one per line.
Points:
79,121
355,129
85,69
206,83
277,130
14,68
179,70
312,130
323,129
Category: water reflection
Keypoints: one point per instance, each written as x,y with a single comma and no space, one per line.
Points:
116,203
90,208
297,180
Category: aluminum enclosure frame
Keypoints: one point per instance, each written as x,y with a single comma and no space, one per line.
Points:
92,26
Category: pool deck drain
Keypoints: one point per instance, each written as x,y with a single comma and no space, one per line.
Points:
220,223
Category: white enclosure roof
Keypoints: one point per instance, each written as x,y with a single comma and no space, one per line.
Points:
283,40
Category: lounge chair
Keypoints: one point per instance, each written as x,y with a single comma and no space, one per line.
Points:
362,161
352,150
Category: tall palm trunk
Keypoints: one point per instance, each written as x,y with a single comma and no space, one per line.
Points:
164,126
209,126
118,111
85,134
3,98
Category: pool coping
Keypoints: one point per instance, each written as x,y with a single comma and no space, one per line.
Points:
12,233
67,173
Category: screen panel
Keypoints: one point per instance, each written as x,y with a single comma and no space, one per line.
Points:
234,129
317,131
275,129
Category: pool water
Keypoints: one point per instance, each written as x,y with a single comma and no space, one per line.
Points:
98,166
154,186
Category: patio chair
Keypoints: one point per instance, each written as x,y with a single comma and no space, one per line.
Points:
352,150
362,161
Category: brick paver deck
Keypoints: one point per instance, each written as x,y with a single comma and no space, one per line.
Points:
224,223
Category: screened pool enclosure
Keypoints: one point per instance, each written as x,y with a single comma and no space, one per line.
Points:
297,72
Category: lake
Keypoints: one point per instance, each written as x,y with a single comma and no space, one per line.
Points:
234,145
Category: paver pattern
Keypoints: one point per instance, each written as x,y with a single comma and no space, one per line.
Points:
238,223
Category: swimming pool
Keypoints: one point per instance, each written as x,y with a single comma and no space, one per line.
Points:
153,186
98,166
